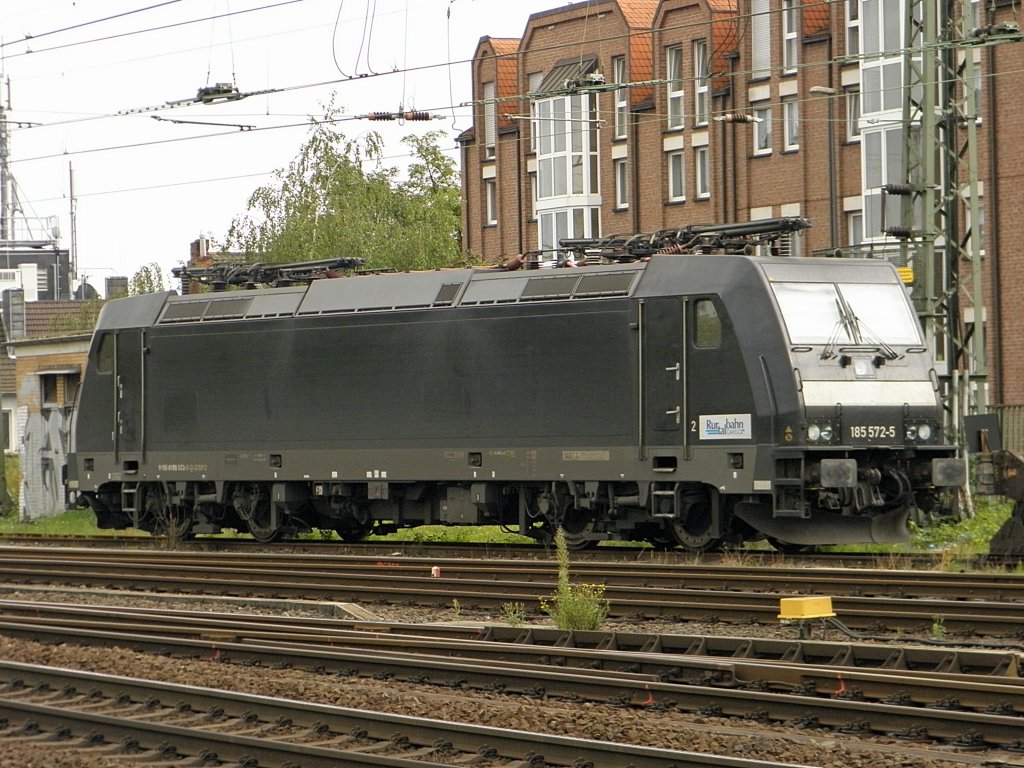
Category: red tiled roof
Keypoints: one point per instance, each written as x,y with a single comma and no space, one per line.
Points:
506,86
46,319
639,14
816,17
57,318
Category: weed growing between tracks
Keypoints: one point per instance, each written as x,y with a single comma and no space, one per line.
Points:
574,606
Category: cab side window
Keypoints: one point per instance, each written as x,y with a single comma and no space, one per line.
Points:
707,329
105,354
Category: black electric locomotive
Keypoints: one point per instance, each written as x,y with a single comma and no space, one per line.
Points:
684,399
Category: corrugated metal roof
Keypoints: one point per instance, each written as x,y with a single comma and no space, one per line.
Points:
565,72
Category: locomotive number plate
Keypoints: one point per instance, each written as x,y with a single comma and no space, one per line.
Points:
872,431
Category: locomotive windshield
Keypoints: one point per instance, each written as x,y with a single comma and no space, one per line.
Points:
847,313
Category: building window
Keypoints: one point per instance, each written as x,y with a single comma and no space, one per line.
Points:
791,124
676,92
853,114
701,69
882,164
558,225
490,119
490,202
534,81
790,35
855,228
533,194
702,180
676,177
6,427
568,200
760,39
621,184
852,27
762,129
621,97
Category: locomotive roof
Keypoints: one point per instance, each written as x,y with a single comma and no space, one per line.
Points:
663,275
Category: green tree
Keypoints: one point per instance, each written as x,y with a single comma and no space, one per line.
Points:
148,279
336,198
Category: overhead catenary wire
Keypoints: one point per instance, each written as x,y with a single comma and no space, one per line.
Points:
404,70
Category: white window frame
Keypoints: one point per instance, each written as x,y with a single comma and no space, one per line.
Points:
791,124
534,80
490,119
882,153
760,40
702,172
852,27
855,228
621,97
675,162
568,199
701,80
762,132
852,95
675,89
790,36
490,202
621,175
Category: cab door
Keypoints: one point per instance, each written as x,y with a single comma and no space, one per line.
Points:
664,331
129,383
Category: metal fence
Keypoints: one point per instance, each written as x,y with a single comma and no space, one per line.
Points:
1011,419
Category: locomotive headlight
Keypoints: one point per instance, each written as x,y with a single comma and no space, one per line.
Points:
919,431
813,432
826,433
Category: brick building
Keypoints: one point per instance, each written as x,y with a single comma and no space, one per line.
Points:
621,116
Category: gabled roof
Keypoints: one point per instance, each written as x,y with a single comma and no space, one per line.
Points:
815,17
639,17
506,54
45,319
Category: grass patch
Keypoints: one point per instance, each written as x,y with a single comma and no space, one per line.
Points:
447,534
76,522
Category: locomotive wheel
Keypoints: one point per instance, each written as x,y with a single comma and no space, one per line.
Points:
577,525
695,531
355,526
171,520
258,517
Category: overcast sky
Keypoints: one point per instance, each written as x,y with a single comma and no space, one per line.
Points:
82,95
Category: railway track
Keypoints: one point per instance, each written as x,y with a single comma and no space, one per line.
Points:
152,722
962,710
617,553
635,592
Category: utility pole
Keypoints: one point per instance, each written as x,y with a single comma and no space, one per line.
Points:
940,206
7,196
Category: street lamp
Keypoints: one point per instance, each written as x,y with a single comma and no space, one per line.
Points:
833,222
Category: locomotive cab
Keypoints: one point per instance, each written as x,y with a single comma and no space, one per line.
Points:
860,437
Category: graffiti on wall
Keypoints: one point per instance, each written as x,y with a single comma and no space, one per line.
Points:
44,450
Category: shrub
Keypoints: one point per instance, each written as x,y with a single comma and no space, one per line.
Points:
574,606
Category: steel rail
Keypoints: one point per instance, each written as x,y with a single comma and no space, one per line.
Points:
834,704
655,654
840,581
975,616
378,548
415,740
